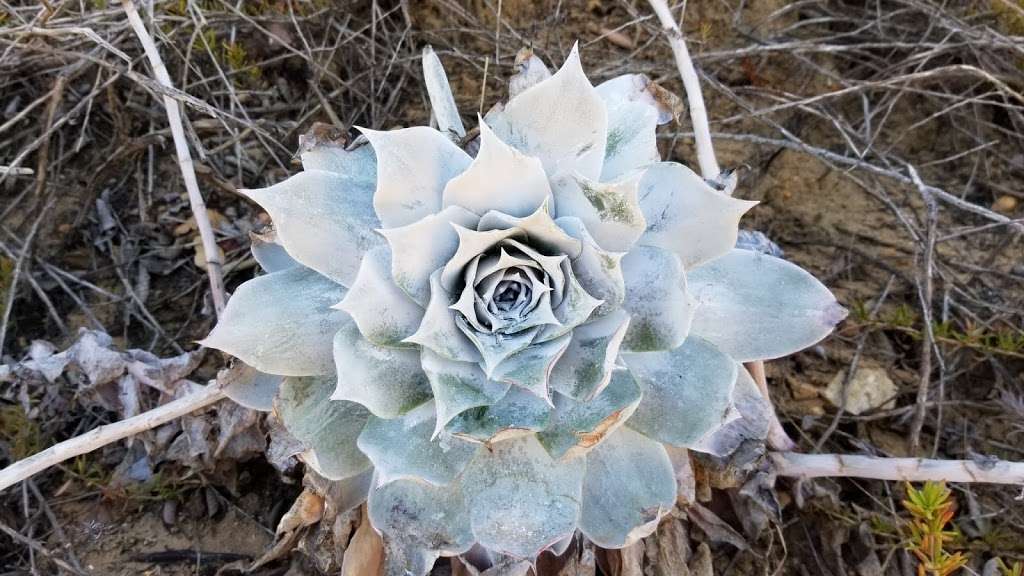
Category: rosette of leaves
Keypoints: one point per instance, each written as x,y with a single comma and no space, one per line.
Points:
512,342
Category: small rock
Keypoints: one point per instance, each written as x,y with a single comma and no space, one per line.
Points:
870,388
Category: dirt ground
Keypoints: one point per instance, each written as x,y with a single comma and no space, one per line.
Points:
883,141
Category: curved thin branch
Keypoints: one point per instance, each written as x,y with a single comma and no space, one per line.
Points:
107,434
907,469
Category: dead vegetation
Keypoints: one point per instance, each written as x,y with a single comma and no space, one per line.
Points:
883,139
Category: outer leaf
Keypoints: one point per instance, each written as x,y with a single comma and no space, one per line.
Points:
251,388
561,120
632,141
358,163
579,426
420,248
585,369
687,392
438,332
755,307
422,521
500,178
328,429
517,413
269,253
629,486
413,167
660,307
324,220
402,448
388,381
752,424
521,500
442,102
458,386
384,313
598,271
530,70
282,323
638,88
687,216
610,210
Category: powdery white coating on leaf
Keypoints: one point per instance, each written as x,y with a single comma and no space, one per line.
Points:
659,304
517,413
420,522
561,120
251,388
752,423
687,216
403,448
758,307
458,386
542,233
530,70
269,253
575,308
632,140
638,88
324,220
359,164
500,178
384,313
420,248
282,323
687,392
413,167
628,487
577,427
609,210
599,271
328,429
586,367
496,347
442,102
471,244
520,499
530,369
388,381
439,332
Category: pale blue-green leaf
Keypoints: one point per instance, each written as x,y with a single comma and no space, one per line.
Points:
638,88
632,141
577,427
328,429
628,487
458,386
531,367
324,220
598,271
758,307
560,120
530,70
586,367
687,392
542,233
471,244
251,388
268,251
282,323
442,102
388,381
687,216
521,500
358,163
384,313
751,425
516,414
660,307
495,347
420,522
438,331
403,448
575,308
609,210
413,167
420,248
500,178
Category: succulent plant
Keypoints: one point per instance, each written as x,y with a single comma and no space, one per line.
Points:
510,346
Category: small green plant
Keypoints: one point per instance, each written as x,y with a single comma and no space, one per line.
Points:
932,508
20,432
1017,569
